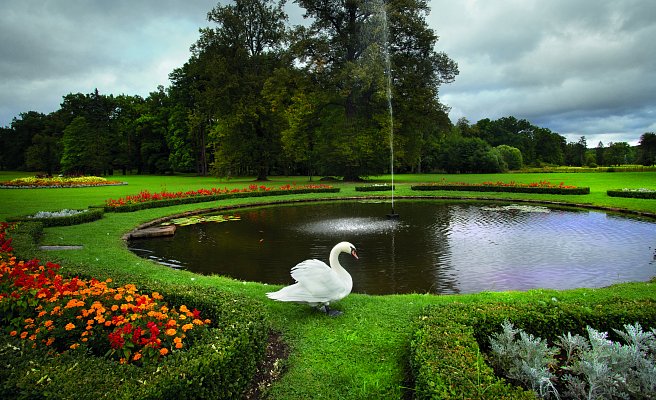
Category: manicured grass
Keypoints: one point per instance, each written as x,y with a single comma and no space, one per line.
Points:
363,353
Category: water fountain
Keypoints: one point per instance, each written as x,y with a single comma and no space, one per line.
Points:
381,13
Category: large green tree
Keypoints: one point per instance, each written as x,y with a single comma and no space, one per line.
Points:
225,79
346,50
647,148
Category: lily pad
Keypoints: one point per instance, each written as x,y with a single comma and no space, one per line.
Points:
199,219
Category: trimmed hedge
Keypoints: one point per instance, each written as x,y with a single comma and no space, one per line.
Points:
450,339
374,188
510,189
220,365
202,199
89,215
632,194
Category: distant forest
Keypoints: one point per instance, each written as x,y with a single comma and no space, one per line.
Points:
261,97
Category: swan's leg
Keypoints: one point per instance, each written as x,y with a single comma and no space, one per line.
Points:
328,311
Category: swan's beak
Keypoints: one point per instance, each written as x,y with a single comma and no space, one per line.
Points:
354,254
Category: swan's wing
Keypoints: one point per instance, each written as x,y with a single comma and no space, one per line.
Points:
318,279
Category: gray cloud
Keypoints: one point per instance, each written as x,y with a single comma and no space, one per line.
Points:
577,67
583,67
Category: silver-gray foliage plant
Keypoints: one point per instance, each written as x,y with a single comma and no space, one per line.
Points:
593,368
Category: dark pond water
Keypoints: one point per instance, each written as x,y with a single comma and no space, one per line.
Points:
436,247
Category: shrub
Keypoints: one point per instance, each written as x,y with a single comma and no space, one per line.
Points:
145,199
452,338
62,218
375,188
218,364
59,182
633,193
543,187
590,368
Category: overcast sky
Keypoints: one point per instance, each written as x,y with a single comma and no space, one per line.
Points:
577,67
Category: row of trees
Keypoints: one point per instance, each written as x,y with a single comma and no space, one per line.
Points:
260,97
509,143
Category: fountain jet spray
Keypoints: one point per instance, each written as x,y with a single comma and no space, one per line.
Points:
388,72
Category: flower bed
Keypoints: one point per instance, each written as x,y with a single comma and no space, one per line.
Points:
145,199
542,187
84,338
641,193
58,182
63,217
374,188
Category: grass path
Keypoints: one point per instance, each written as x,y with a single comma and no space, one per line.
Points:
359,355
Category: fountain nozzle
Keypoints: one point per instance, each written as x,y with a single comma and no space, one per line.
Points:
392,215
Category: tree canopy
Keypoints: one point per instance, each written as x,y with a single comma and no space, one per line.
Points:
258,97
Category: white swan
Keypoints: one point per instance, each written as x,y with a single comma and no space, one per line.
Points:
317,284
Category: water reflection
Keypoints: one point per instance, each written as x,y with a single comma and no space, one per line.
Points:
436,247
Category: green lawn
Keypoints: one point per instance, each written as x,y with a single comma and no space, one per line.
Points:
363,353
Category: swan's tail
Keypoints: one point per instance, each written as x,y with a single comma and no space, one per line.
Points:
296,294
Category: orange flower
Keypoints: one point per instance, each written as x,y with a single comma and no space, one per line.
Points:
50,341
178,345
48,323
69,326
136,356
23,335
171,332
163,351
74,346
186,327
13,333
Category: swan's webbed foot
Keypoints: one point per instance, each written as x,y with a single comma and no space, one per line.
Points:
329,311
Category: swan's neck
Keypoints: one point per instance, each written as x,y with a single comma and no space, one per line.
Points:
334,259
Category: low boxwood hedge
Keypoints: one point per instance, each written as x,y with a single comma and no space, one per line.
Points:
374,188
220,365
202,199
446,349
510,189
635,194
88,215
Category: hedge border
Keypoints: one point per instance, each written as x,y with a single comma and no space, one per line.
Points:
509,189
631,194
220,365
89,215
374,188
208,198
452,337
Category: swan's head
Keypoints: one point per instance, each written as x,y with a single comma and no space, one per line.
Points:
346,247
